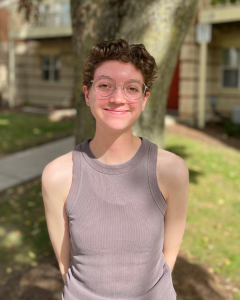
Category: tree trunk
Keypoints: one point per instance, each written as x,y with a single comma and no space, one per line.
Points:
158,24
92,22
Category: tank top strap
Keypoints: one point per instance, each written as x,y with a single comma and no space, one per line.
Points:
152,176
76,179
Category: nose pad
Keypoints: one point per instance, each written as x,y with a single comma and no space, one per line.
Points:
118,96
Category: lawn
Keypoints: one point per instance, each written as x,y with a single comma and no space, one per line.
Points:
212,235
21,131
23,232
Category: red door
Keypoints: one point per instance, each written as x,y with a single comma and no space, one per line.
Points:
172,102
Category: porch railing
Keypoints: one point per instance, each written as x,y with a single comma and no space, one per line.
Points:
53,15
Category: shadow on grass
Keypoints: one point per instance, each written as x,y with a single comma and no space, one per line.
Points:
194,282
178,150
194,175
43,282
191,282
23,232
181,151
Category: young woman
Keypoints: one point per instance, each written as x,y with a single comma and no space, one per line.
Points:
116,205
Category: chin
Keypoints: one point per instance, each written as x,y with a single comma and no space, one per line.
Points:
117,127
116,123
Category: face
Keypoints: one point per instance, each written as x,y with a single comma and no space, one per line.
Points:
116,111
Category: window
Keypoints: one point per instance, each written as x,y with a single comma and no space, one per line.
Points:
51,66
66,15
230,67
54,14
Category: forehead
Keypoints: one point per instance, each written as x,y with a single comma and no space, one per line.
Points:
118,70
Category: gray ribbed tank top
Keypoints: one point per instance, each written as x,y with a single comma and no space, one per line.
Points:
116,224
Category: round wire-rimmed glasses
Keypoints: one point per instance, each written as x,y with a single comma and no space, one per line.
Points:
105,86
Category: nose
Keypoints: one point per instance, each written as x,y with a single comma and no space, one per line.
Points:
118,96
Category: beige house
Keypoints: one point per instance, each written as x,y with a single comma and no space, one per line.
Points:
207,74
40,56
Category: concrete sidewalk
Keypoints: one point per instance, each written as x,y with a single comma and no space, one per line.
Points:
28,164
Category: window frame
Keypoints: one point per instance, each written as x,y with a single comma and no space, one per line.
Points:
225,68
51,68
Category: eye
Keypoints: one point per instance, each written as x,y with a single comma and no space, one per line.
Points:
104,85
132,89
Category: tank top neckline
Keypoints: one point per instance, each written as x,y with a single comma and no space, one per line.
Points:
114,169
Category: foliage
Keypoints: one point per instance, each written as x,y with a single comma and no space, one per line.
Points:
231,128
28,103
215,2
30,8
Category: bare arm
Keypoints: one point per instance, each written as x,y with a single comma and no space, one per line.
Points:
56,183
175,184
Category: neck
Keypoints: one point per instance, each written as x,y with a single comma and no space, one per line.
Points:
114,148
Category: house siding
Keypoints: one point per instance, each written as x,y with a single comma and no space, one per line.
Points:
224,36
31,87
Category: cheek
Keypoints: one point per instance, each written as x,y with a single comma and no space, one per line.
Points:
135,106
95,107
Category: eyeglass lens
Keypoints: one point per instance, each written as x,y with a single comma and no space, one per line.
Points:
105,86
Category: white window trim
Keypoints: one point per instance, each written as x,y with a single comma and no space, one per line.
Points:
223,68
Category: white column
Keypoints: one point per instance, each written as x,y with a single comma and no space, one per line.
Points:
11,64
202,85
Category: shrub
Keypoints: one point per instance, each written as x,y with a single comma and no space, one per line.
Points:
231,128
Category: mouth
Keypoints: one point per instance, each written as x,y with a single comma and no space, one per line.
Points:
116,111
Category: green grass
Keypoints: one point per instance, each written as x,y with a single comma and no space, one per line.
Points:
21,131
23,232
212,233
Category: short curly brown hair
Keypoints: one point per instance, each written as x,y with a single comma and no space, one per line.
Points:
119,49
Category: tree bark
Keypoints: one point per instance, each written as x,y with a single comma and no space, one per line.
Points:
158,24
164,25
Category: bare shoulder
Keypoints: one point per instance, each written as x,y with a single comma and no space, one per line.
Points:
171,163
172,172
57,177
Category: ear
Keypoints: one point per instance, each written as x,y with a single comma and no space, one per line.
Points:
145,100
86,92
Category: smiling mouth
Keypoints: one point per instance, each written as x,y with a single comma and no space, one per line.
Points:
116,110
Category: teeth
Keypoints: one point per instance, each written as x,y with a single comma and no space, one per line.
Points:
116,110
